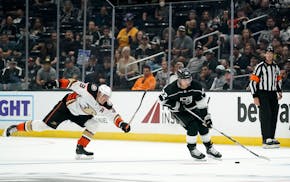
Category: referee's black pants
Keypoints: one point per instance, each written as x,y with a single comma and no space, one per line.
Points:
268,113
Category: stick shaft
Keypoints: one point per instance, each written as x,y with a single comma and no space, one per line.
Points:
130,121
230,138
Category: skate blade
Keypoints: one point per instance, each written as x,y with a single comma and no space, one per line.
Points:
271,146
199,160
84,157
4,134
213,157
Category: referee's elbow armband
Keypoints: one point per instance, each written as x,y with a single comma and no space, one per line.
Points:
255,78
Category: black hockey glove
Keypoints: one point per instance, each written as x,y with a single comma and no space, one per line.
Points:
125,127
50,84
207,121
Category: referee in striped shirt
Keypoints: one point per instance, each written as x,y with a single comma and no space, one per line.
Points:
265,84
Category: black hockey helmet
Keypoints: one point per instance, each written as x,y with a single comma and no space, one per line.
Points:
183,73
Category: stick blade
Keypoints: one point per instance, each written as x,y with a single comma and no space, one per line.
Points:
264,157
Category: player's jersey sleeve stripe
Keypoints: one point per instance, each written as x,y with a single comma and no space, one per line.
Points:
66,83
118,120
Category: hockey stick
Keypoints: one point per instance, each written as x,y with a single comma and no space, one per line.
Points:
130,121
230,138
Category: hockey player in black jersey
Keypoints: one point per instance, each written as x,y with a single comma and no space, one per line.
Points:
187,93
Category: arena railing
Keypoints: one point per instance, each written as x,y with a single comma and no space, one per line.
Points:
245,23
207,35
140,61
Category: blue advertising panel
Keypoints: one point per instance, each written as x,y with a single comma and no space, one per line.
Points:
16,107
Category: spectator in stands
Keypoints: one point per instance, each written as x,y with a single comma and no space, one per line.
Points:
225,63
46,73
267,34
206,18
264,9
138,42
162,76
211,61
37,29
50,49
253,63
92,33
40,4
205,77
80,10
68,13
102,73
105,73
192,15
68,45
224,22
276,33
33,67
122,65
127,35
287,67
238,84
285,54
19,20
236,53
143,20
175,67
91,65
165,38
247,38
105,41
191,28
70,70
238,21
9,29
117,56
262,45
240,65
194,65
182,44
2,61
285,80
2,66
219,80
161,12
146,82
285,31
203,30
144,49
155,47
12,76
103,18
7,46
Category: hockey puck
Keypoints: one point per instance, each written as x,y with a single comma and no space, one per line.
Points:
237,162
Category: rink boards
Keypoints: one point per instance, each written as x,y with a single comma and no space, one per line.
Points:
232,112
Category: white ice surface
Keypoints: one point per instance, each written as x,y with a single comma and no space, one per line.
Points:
49,159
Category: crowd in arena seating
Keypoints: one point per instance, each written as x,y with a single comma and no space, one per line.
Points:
141,31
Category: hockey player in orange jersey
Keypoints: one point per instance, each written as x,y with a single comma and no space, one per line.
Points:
82,107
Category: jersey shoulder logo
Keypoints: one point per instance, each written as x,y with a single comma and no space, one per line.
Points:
94,87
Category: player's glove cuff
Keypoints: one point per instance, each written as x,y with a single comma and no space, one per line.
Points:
51,84
207,121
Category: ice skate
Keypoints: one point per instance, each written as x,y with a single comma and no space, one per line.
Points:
195,153
213,153
82,154
276,143
271,144
9,131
